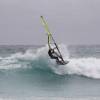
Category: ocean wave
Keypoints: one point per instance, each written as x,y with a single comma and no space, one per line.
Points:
89,67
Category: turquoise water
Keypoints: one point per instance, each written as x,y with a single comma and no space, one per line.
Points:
27,72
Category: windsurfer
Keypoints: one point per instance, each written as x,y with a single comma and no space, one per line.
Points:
54,55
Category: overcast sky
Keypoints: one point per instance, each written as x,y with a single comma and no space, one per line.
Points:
70,21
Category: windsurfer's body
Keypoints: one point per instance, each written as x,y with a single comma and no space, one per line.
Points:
55,55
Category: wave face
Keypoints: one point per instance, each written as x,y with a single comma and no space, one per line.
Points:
88,65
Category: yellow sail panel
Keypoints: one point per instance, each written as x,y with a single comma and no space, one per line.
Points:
45,25
47,30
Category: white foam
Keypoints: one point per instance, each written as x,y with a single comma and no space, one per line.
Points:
89,67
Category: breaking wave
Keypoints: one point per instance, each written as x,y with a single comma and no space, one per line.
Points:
89,67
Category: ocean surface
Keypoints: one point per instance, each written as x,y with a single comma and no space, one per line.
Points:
27,73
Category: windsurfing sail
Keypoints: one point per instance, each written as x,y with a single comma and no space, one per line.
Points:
50,37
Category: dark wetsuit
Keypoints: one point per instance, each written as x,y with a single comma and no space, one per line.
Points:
51,54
